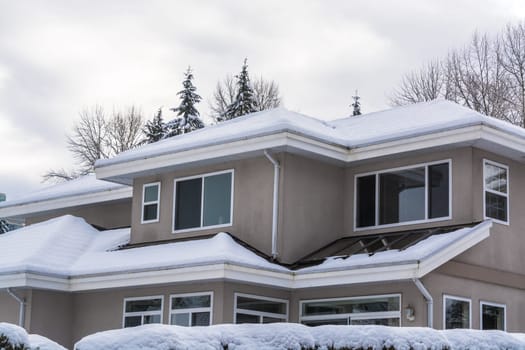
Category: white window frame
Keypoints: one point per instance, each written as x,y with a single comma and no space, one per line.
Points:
355,316
488,303
260,314
454,297
143,313
506,195
201,227
413,222
192,310
144,203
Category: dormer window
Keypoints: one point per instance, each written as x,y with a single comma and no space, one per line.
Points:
407,195
150,202
496,189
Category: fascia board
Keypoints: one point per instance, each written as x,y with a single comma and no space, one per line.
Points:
66,202
33,280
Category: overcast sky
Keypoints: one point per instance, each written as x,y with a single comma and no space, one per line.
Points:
57,57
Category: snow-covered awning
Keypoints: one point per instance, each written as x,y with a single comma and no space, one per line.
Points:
68,254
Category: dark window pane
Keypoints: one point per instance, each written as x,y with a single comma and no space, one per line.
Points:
180,319
457,314
143,305
191,302
217,199
376,321
151,319
151,193
261,305
438,191
366,201
150,212
244,318
188,204
339,321
132,321
495,206
402,196
200,319
372,304
266,319
493,317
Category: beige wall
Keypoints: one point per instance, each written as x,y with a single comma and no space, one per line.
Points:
110,215
9,307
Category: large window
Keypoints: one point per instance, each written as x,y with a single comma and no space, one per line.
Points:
404,195
492,316
144,310
150,202
203,201
496,189
456,312
191,309
257,309
376,310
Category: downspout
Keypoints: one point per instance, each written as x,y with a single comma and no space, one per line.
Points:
22,307
276,172
429,299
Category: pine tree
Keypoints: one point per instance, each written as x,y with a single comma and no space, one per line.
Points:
155,129
188,117
4,226
356,105
244,102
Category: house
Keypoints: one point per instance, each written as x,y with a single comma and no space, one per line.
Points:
405,217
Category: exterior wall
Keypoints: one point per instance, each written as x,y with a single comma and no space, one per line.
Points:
110,215
9,307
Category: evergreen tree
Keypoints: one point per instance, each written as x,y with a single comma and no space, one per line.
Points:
244,101
188,117
4,226
356,105
155,129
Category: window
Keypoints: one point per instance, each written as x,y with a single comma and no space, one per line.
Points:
191,309
456,312
150,202
204,201
369,310
144,310
492,316
496,189
256,309
404,195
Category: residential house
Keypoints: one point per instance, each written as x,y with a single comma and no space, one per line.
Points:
405,217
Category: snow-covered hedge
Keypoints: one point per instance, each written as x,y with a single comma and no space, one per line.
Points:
289,336
16,338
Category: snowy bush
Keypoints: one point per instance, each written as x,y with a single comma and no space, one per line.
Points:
16,338
289,336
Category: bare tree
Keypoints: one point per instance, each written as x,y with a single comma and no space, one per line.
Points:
125,130
266,94
223,96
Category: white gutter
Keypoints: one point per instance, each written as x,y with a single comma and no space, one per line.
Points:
22,307
429,299
276,172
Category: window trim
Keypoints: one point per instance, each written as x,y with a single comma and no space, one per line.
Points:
454,297
201,227
192,310
413,222
506,195
360,316
150,184
142,313
259,313
489,303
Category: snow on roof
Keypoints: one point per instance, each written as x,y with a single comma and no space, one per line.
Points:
287,336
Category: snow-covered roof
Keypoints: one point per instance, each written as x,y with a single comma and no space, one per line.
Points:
342,137
81,191
77,255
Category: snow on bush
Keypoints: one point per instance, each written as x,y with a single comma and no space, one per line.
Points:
290,336
16,338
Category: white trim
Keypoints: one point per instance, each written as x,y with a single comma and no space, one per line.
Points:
202,176
190,311
453,297
377,195
260,314
143,313
157,202
488,303
506,195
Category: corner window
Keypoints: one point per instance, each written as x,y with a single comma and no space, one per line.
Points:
144,310
496,189
404,195
203,201
370,310
456,312
256,309
150,202
492,316
191,309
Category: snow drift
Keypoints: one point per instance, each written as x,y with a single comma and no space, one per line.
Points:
15,337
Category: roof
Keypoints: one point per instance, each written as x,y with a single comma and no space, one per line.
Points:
344,140
68,254
81,191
